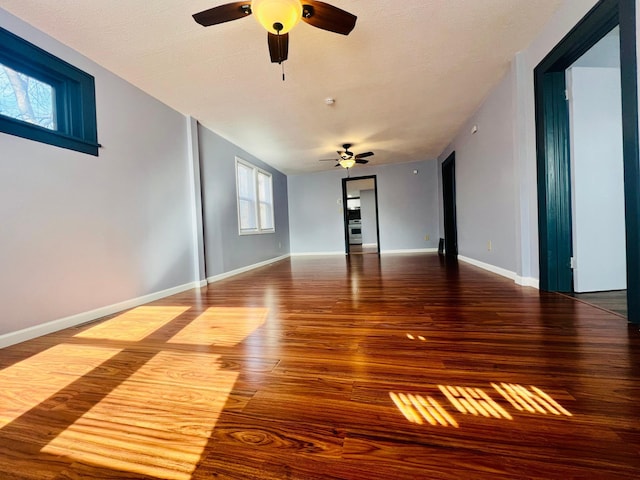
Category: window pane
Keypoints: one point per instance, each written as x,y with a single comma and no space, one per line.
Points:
246,188
24,98
248,215
266,216
265,197
247,207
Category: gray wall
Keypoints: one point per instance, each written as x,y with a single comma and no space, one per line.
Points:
225,249
407,208
599,244
486,182
82,232
508,213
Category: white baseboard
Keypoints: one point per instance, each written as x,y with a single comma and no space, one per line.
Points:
414,250
222,276
316,254
524,281
528,282
35,331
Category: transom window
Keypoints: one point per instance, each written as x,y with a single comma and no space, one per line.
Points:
44,98
255,199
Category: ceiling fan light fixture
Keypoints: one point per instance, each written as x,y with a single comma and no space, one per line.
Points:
277,16
347,162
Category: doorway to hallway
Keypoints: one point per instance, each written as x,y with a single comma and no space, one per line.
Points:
360,206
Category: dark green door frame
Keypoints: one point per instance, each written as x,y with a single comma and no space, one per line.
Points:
552,142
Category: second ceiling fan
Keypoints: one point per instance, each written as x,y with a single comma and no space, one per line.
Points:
278,17
347,159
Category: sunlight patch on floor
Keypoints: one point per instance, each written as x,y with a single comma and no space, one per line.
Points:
157,422
474,401
532,401
418,409
222,326
29,383
133,325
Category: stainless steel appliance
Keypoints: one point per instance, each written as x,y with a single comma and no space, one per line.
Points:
355,232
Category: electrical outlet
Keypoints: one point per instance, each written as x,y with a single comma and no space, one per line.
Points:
427,238
489,246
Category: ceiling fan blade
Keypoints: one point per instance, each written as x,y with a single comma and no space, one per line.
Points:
364,155
278,47
223,13
362,162
328,160
327,17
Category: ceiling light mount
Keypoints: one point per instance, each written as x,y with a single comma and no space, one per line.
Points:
346,154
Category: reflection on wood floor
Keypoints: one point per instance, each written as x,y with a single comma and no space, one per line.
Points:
614,300
360,367
363,249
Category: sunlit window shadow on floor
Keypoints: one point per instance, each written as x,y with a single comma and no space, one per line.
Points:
154,423
418,409
144,410
532,401
475,402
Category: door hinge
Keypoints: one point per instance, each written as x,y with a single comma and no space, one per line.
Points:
566,94
572,263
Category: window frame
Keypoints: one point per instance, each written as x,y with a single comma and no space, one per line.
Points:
255,171
74,93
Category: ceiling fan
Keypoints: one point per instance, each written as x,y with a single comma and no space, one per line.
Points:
347,159
278,17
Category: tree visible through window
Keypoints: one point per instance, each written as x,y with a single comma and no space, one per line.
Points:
25,98
45,99
255,199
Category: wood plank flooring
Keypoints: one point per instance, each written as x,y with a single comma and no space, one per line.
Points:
615,300
360,368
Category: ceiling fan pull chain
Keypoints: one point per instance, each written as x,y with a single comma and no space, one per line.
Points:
280,47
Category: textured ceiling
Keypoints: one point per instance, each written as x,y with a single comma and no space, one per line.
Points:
404,80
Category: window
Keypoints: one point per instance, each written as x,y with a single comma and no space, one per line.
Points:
255,199
45,99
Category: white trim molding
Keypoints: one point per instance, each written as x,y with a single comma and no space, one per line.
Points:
528,282
35,331
315,254
413,250
524,281
222,276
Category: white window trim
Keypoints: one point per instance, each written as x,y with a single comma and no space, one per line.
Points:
257,230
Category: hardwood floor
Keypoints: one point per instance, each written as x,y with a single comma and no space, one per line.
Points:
399,367
615,300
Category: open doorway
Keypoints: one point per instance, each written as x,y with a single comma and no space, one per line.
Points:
552,141
449,203
597,175
360,201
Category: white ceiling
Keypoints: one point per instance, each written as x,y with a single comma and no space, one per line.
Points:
404,80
